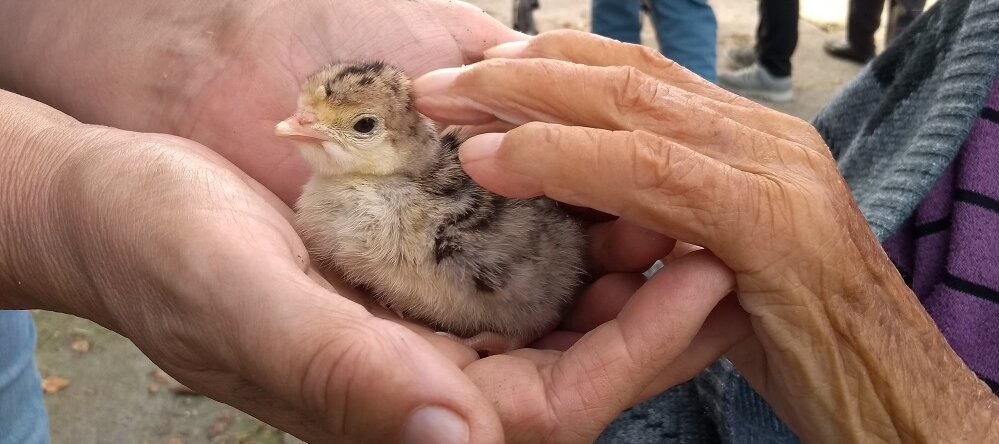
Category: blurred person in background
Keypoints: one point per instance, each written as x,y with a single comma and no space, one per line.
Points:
686,29
763,71
864,20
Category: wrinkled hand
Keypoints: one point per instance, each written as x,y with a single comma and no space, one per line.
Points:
222,73
833,338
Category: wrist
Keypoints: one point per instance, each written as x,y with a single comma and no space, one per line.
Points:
36,143
921,384
877,365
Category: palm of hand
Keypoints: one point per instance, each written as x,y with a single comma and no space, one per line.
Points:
252,80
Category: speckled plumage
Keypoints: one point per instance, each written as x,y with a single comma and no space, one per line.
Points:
398,216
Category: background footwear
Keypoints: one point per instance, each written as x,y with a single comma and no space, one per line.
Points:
740,57
523,16
841,49
754,81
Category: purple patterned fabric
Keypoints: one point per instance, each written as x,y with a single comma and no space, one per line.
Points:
949,250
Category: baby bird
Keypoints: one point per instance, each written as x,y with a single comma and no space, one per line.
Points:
391,210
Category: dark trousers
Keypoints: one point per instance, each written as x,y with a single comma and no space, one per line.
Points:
777,35
865,18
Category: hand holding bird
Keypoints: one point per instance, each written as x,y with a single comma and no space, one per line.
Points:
256,331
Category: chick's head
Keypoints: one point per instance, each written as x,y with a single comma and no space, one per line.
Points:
358,118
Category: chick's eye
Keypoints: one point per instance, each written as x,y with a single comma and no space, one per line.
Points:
365,125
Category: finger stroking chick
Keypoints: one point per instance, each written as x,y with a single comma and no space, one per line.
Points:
391,210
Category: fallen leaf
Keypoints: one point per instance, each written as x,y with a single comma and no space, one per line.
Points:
80,346
54,384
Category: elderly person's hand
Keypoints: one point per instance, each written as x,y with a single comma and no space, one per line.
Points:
835,341
221,73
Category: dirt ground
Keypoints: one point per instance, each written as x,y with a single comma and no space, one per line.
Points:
116,395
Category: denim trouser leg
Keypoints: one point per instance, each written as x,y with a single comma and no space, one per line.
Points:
688,34
22,412
618,19
686,29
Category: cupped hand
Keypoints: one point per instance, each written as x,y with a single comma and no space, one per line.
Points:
626,339
223,73
199,266
620,129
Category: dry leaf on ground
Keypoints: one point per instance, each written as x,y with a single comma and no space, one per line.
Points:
80,346
54,384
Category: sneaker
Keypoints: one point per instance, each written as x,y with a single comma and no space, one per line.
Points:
754,81
740,57
841,49
523,16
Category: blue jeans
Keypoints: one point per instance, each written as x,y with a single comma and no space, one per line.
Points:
22,411
686,29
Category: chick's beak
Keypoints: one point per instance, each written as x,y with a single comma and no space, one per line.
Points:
300,125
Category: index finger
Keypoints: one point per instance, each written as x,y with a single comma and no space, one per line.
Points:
498,88
646,180
614,98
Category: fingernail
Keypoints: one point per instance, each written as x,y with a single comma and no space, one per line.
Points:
433,424
436,82
480,147
510,50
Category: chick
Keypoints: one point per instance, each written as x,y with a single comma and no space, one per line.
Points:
391,210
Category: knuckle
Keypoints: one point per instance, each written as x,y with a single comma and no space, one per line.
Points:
633,89
660,166
652,57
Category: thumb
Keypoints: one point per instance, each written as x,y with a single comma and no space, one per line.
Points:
354,377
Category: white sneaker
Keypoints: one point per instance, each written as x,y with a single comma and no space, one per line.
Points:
754,81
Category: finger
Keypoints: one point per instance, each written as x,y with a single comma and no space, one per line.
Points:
642,178
594,50
614,98
601,97
473,29
727,325
608,369
366,379
602,301
622,246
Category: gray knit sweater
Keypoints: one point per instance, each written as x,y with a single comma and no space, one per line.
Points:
894,130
